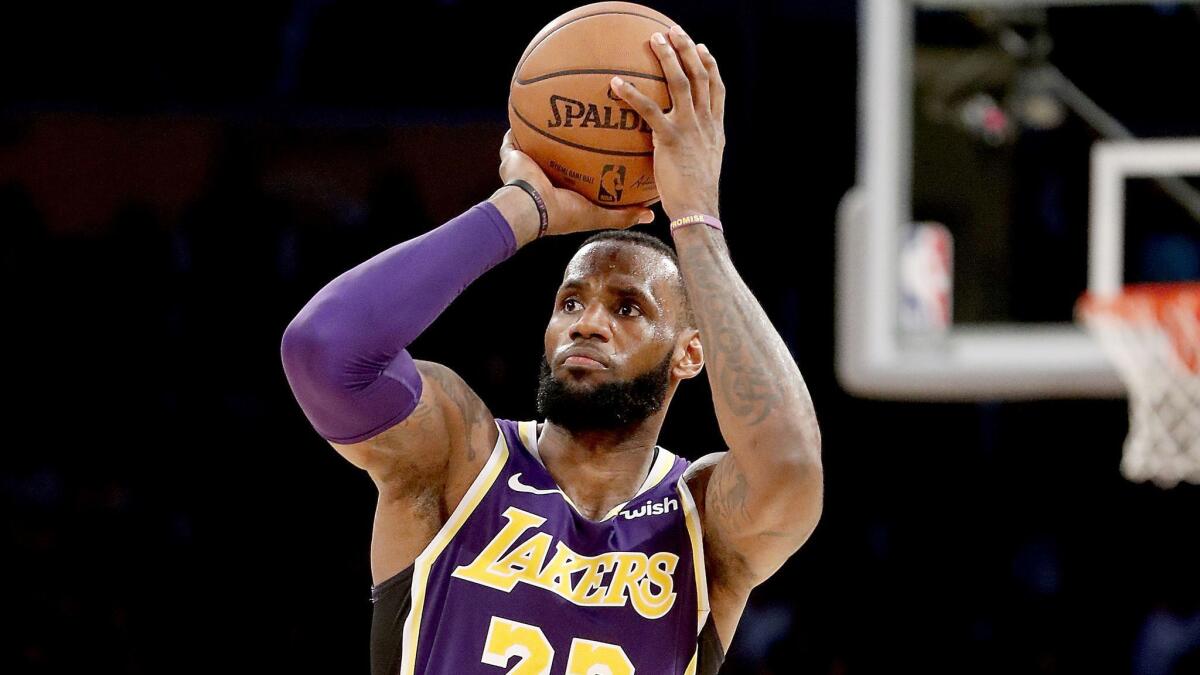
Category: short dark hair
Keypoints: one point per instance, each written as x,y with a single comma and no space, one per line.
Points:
652,242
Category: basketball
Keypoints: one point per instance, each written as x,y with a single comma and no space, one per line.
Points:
564,114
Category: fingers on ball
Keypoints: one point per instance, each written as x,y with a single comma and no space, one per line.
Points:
716,85
694,68
677,81
641,103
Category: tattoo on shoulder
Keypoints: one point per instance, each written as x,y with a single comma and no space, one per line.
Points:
421,418
474,412
728,495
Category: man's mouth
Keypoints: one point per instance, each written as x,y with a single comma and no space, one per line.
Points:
583,362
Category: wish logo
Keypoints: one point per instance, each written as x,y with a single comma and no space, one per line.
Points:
612,183
651,508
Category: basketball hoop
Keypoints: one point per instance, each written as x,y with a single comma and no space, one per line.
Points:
1151,332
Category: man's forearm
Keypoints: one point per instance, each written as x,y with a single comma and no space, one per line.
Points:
518,211
345,353
759,395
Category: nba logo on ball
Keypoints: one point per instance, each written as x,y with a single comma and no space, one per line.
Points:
612,182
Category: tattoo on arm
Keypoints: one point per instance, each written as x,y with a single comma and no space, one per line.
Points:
765,415
747,360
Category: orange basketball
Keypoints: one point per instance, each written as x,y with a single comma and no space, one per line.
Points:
564,114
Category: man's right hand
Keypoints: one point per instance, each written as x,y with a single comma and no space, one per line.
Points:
569,211
689,141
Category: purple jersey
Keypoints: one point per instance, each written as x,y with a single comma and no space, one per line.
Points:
518,581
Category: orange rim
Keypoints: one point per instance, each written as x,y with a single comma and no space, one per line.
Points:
1173,307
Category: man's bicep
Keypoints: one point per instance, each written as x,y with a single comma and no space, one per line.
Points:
756,521
450,421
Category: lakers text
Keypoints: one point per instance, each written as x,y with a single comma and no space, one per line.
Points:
645,581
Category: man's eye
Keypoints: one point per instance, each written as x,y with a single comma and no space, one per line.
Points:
631,306
568,302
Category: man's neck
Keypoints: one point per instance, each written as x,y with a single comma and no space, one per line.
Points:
599,469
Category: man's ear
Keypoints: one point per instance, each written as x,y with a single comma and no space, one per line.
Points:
688,348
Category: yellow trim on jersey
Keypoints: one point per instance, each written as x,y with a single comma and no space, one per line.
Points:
424,562
691,666
527,431
692,518
662,466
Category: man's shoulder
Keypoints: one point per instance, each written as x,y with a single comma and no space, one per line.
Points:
697,473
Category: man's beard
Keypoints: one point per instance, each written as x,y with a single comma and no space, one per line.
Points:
608,405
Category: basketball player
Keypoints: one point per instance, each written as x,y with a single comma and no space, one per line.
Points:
573,545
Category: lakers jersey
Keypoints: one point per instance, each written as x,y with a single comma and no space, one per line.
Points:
518,581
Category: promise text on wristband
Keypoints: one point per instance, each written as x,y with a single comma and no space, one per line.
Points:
693,220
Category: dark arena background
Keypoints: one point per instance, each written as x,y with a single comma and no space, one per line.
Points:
178,178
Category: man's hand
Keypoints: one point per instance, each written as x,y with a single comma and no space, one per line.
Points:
569,211
689,140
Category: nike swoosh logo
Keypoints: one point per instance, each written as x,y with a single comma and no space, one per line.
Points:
515,483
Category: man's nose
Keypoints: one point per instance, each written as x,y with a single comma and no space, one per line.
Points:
592,322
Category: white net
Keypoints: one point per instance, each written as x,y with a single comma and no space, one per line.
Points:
1152,335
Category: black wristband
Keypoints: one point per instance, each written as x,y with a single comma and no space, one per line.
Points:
543,216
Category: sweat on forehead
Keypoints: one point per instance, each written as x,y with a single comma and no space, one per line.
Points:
609,257
611,252
633,254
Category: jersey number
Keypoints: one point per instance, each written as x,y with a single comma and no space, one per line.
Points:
506,639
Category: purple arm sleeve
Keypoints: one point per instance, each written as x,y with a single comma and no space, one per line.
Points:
345,353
